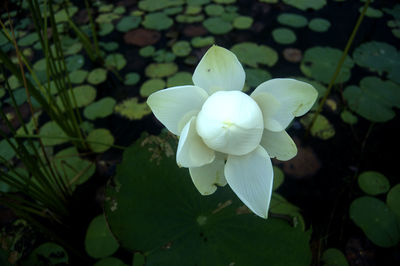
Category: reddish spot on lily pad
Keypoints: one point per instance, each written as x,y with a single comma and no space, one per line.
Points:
292,55
194,30
142,37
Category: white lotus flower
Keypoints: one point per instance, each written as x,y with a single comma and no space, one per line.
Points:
227,136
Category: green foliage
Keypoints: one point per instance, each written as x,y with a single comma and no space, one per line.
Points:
116,61
110,261
157,21
284,36
256,76
167,223
132,109
376,220
128,23
99,242
131,78
52,134
292,20
217,25
319,24
150,86
97,76
252,54
334,257
393,201
100,109
47,254
242,22
161,70
100,140
321,128
199,41
373,183
306,4
181,48
179,79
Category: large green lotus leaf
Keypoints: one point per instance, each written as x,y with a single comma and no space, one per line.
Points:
100,139
157,21
380,57
320,64
116,60
160,70
393,201
132,109
334,257
293,20
374,99
100,109
153,5
152,206
99,242
128,23
252,54
306,4
373,183
47,254
72,167
217,25
376,220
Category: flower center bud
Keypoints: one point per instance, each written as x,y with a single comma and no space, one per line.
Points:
230,122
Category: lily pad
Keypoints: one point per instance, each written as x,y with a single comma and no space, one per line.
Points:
47,254
132,109
319,24
393,201
78,76
306,4
374,99
292,20
242,22
168,231
109,46
128,23
150,86
322,128
131,78
256,76
157,21
180,79
99,242
74,62
160,70
163,56
111,261
373,183
97,76
189,18
334,257
348,117
198,42
116,60
28,40
50,132
154,5
372,12
252,54
6,151
284,36
100,139
214,10
376,220
83,95
217,25
147,51
181,48
100,109
320,64
106,28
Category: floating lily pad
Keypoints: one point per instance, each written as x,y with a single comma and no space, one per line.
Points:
6,151
111,261
131,78
292,20
19,95
373,99
320,64
168,231
217,25
107,18
147,51
284,36
47,254
100,109
73,48
306,4
99,242
50,132
180,79
29,39
163,56
197,2
181,48
83,95
157,21
117,61
372,12
150,86
373,183
128,23
106,8
322,128
376,220
97,76
40,65
99,140
256,76
319,24
252,54
78,76
242,22
380,57
62,15
106,28
109,46
189,18
132,109
214,10
334,257
225,1
74,62
393,201
154,5
192,10
119,10
348,117
160,70
199,41
174,10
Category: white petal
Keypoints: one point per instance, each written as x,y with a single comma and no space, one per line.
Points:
192,152
230,122
295,98
175,106
206,178
250,176
279,145
219,69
